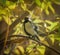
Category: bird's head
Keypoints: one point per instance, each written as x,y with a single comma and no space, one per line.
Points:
27,19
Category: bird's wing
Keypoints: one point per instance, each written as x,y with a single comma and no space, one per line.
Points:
29,28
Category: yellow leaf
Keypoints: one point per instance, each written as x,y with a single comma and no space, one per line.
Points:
41,49
7,51
21,49
18,49
16,52
2,11
23,6
10,5
7,20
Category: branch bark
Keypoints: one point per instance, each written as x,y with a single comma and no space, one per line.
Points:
39,42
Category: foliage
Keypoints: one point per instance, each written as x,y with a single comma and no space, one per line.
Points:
7,14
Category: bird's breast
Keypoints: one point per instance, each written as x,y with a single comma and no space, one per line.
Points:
29,28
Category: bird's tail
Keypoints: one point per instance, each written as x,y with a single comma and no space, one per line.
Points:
35,37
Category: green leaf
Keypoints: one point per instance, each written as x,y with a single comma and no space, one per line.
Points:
24,6
10,5
51,36
7,51
7,20
30,47
57,36
52,25
56,2
51,8
47,11
2,11
41,49
37,21
43,6
21,1
38,2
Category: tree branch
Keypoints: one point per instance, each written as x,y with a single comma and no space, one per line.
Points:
39,42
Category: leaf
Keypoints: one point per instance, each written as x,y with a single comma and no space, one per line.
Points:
41,49
52,25
43,6
21,49
52,38
51,8
38,2
37,20
18,50
49,22
21,1
30,47
24,6
56,2
7,20
47,11
57,37
7,51
2,11
10,5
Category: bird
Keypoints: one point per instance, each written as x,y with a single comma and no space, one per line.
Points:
30,28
